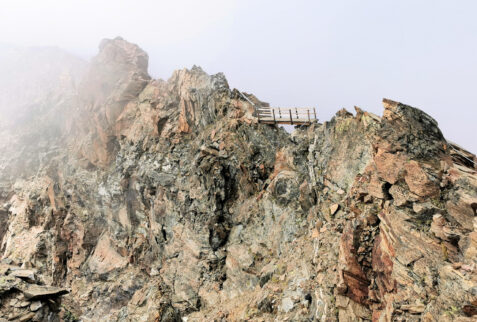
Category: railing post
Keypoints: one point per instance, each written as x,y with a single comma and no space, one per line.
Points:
291,117
274,120
314,111
308,112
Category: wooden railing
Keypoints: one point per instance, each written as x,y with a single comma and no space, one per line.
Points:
293,116
279,115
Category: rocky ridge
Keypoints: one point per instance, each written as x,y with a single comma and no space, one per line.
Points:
154,200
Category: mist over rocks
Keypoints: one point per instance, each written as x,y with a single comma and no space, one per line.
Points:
28,75
153,200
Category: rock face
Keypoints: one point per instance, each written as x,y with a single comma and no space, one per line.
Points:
166,200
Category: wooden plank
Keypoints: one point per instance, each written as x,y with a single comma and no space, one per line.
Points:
285,122
299,116
292,108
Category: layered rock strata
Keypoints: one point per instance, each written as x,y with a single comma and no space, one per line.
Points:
162,200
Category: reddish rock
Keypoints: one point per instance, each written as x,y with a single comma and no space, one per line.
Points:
390,166
156,200
383,266
354,281
105,257
419,181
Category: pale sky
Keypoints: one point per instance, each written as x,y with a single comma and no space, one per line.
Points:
328,54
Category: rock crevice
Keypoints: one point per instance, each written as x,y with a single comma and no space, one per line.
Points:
163,200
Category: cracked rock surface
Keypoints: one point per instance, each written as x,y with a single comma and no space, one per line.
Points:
153,200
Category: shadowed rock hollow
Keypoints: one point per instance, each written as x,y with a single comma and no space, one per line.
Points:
152,200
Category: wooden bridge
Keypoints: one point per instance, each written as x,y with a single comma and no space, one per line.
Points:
293,116
280,115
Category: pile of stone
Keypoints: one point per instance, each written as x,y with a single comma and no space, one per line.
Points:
23,298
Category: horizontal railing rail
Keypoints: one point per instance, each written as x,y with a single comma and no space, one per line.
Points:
295,115
281,115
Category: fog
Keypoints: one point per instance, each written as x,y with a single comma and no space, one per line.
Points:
326,54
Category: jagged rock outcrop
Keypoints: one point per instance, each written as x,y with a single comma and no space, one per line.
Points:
116,76
167,200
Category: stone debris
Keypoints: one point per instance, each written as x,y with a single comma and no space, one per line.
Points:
36,292
287,304
334,208
25,274
413,308
26,301
35,306
126,198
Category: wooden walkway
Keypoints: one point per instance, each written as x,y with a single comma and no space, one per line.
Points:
280,115
292,116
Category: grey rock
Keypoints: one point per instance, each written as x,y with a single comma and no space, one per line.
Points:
36,292
287,304
25,274
35,306
160,200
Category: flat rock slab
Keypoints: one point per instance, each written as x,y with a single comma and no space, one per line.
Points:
26,274
26,317
36,292
8,282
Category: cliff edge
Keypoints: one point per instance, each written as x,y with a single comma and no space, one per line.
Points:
127,198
